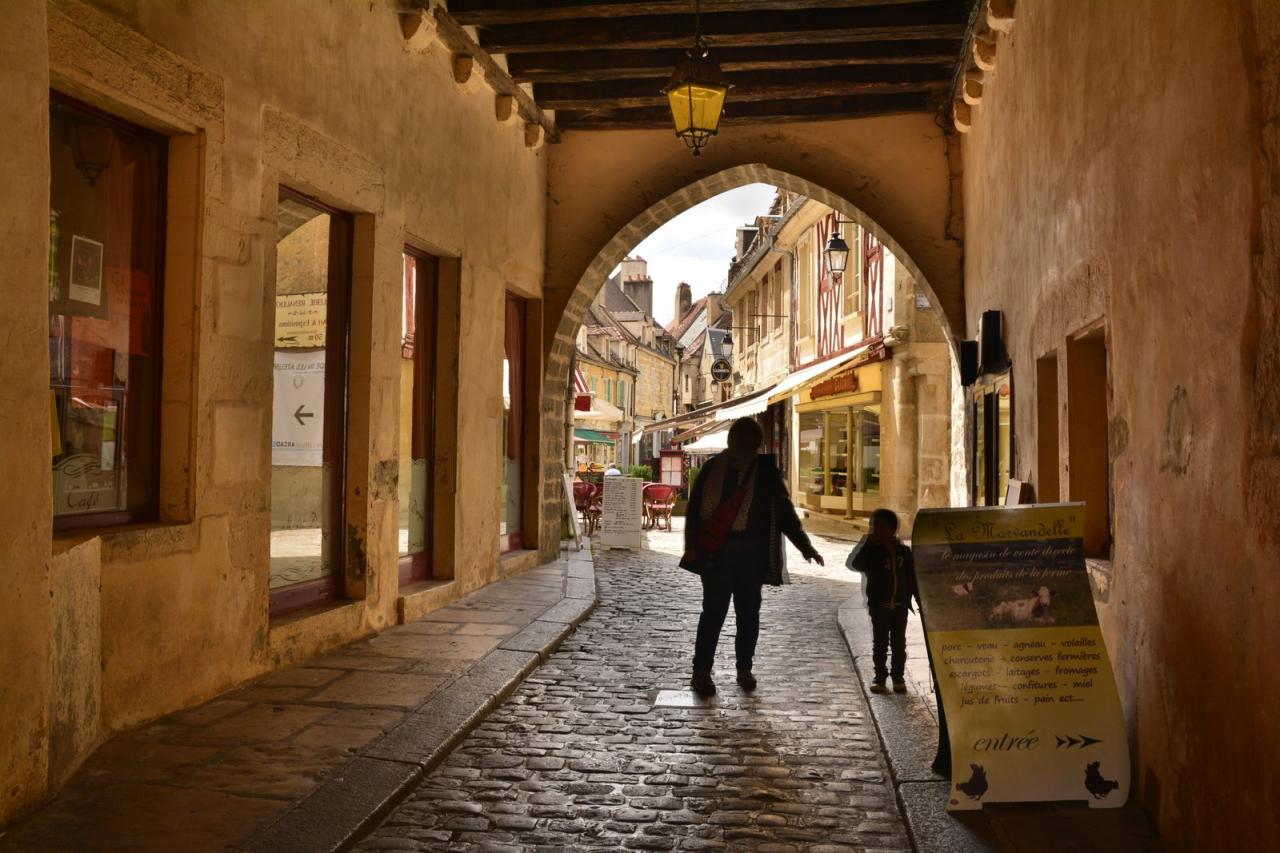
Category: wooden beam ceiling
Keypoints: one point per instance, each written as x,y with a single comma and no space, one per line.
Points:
930,20
757,112
602,63
750,86
494,12
587,65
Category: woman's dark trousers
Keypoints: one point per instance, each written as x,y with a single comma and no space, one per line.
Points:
736,575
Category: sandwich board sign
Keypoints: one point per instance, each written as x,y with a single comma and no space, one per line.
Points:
574,528
620,513
1028,691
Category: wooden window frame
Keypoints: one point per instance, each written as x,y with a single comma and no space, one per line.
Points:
986,481
306,594
417,567
510,542
65,524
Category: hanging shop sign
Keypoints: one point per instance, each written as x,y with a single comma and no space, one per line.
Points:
1030,698
721,370
620,513
846,383
300,319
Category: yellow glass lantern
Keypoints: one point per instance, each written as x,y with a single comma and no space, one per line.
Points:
696,93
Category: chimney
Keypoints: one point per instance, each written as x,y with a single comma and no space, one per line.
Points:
637,284
684,300
714,307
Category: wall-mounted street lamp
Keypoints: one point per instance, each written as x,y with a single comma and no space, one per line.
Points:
696,92
837,250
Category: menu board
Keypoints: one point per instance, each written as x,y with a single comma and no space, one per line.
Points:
621,513
1030,698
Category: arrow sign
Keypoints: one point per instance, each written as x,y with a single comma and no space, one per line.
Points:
299,415
283,338
1081,741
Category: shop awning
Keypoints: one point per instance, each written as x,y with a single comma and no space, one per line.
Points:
746,407
805,375
582,392
599,410
712,442
591,436
695,432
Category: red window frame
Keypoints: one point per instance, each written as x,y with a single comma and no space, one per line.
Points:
305,594
422,315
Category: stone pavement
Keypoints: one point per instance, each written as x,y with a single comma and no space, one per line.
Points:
296,760
579,758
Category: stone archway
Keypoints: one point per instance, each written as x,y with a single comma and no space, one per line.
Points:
610,190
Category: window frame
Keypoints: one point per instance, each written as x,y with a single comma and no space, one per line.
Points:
71,524
417,567
302,595
984,406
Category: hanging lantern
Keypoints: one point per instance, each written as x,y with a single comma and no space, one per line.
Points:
696,93
91,145
837,252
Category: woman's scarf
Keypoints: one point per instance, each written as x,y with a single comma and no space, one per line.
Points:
714,494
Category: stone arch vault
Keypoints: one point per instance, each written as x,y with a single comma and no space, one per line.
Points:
608,190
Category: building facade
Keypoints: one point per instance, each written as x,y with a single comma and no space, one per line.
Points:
847,371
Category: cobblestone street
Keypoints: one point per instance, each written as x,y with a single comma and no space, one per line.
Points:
579,758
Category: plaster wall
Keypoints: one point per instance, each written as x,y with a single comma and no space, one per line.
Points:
1118,178
344,109
26,631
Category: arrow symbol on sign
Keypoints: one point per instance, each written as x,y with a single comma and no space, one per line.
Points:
299,415
284,338
1088,741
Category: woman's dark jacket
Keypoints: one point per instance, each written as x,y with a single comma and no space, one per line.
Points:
888,585
771,516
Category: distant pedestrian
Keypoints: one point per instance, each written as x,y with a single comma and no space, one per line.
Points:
737,515
890,586
612,471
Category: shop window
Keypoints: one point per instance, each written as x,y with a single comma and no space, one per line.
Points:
513,423
869,449
1087,436
417,415
309,401
839,456
992,439
106,249
1047,490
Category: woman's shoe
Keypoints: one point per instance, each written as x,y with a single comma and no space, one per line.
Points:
702,684
746,680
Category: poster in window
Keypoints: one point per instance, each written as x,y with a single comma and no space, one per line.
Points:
85,283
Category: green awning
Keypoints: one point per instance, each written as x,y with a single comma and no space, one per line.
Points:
591,436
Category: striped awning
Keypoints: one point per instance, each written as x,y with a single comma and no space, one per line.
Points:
581,391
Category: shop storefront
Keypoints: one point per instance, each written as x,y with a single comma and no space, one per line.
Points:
593,449
838,461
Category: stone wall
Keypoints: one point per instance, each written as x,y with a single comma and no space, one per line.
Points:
1119,179
351,112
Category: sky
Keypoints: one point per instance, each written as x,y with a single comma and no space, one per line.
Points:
698,244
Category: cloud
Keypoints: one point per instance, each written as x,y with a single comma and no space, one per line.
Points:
697,245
